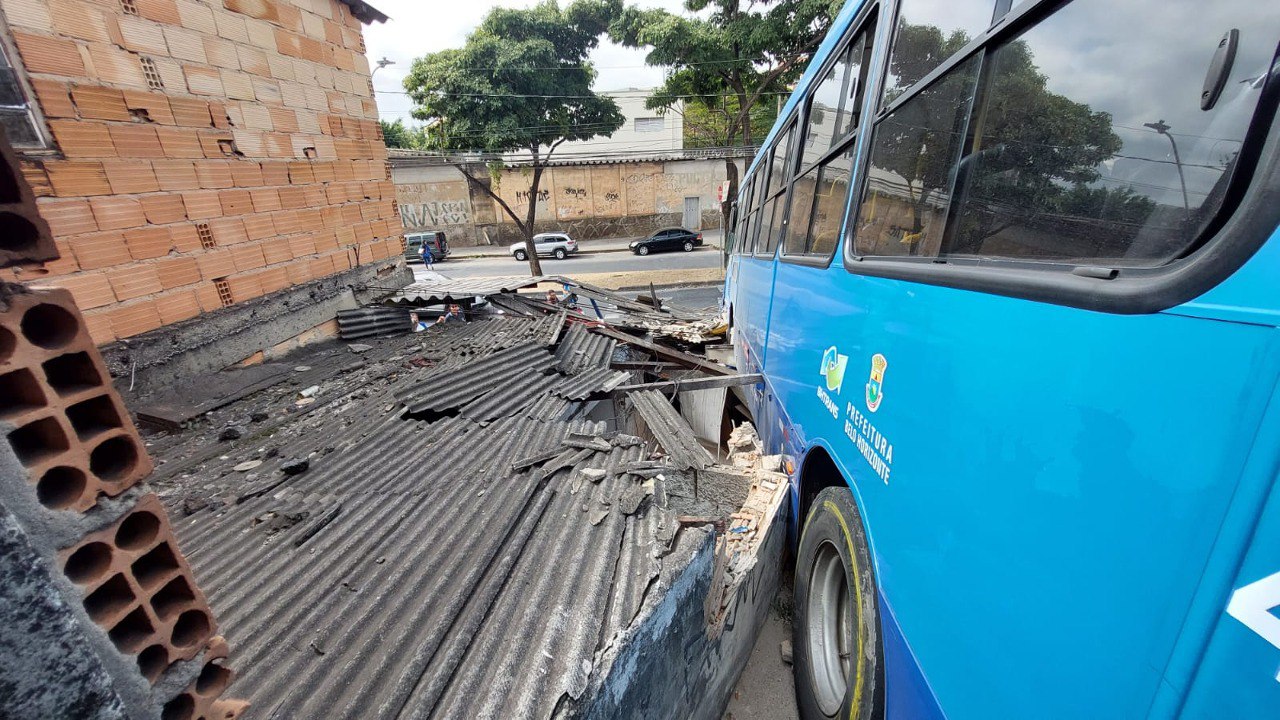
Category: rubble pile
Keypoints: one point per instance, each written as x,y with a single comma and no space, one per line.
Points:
374,528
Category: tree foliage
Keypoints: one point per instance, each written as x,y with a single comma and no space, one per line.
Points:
747,51
521,83
398,135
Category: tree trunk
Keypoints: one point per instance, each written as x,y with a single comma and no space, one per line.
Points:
730,196
535,267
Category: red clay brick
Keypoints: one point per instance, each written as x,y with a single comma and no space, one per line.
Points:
273,279
275,173
177,271
215,264
286,222
150,106
259,226
300,173
309,218
135,318
49,55
299,272
218,113
248,257
136,141
54,98
116,66
276,250
189,112
115,213
336,194
100,103
79,139
302,245
67,217
207,296
163,208
292,198
330,240
279,145
203,80
314,195
246,174
99,326
265,199
215,143
90,290
175,174
135,281
130,176
214,174
321,266
162,11
260,9
228,231
178,306
185,237
148,242
202,204
77,179
235,202
284,120
244,287
99,250
179,142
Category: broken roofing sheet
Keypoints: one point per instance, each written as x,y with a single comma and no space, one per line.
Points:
430,534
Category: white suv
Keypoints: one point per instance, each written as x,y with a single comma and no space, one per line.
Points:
557,245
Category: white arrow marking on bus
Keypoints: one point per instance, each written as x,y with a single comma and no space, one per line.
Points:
1252,605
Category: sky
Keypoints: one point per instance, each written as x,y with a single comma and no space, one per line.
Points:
417,28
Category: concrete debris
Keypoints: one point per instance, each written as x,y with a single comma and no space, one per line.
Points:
295,466
631,498
233,432
259,416
785,649
595,475
359,347
247,465
591,442
309,392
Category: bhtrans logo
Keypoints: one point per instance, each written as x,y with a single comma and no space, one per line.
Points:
875,385
833,364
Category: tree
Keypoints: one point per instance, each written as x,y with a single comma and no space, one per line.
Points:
521,83
396,135
743,54
705,128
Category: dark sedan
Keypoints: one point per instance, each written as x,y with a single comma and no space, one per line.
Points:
673,238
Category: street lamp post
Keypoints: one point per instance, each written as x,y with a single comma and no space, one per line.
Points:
381,64
1162,128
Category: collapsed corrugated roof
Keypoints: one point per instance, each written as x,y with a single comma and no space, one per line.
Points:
447,290
369,565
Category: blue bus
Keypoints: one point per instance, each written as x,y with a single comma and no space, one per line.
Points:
1012,276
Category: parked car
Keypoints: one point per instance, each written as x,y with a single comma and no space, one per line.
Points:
435,241
673,238
557,245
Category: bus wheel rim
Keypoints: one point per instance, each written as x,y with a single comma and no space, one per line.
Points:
830,629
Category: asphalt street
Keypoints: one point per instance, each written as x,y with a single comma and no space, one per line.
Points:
586,262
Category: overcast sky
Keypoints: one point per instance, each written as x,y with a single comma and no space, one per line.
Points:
417,28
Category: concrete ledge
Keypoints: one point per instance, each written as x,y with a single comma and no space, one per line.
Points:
215,340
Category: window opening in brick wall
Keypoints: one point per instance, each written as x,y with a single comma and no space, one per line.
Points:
16,114
224,291
206,235
651,124
151,73
129,7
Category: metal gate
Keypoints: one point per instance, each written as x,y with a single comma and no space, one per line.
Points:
692,213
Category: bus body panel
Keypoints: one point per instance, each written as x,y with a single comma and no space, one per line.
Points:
996,543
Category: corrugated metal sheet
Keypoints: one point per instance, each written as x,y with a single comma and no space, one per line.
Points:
372,321
580,386
580,349
456,387
671,431
446,289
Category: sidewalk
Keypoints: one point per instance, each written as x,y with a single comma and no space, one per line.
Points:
617,244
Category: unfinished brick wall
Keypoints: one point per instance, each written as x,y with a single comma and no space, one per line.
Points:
64,423
207,153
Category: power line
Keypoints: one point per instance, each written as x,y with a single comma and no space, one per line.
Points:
575,97
634,67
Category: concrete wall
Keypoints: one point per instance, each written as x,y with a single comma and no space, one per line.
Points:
587,201
202,154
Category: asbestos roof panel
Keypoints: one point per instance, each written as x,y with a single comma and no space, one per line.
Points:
446,289
671,430
581,349
484,336
372,321
455,388
509,398
582,385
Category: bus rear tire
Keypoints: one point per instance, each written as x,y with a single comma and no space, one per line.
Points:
836,634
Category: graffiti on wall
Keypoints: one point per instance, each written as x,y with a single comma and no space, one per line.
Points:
576,193
522,196
438,213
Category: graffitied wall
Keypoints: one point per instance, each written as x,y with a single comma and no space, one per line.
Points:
586,201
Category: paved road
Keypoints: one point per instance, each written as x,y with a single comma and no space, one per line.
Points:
703,257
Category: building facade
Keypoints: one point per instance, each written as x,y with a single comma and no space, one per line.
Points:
194,159
586,200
